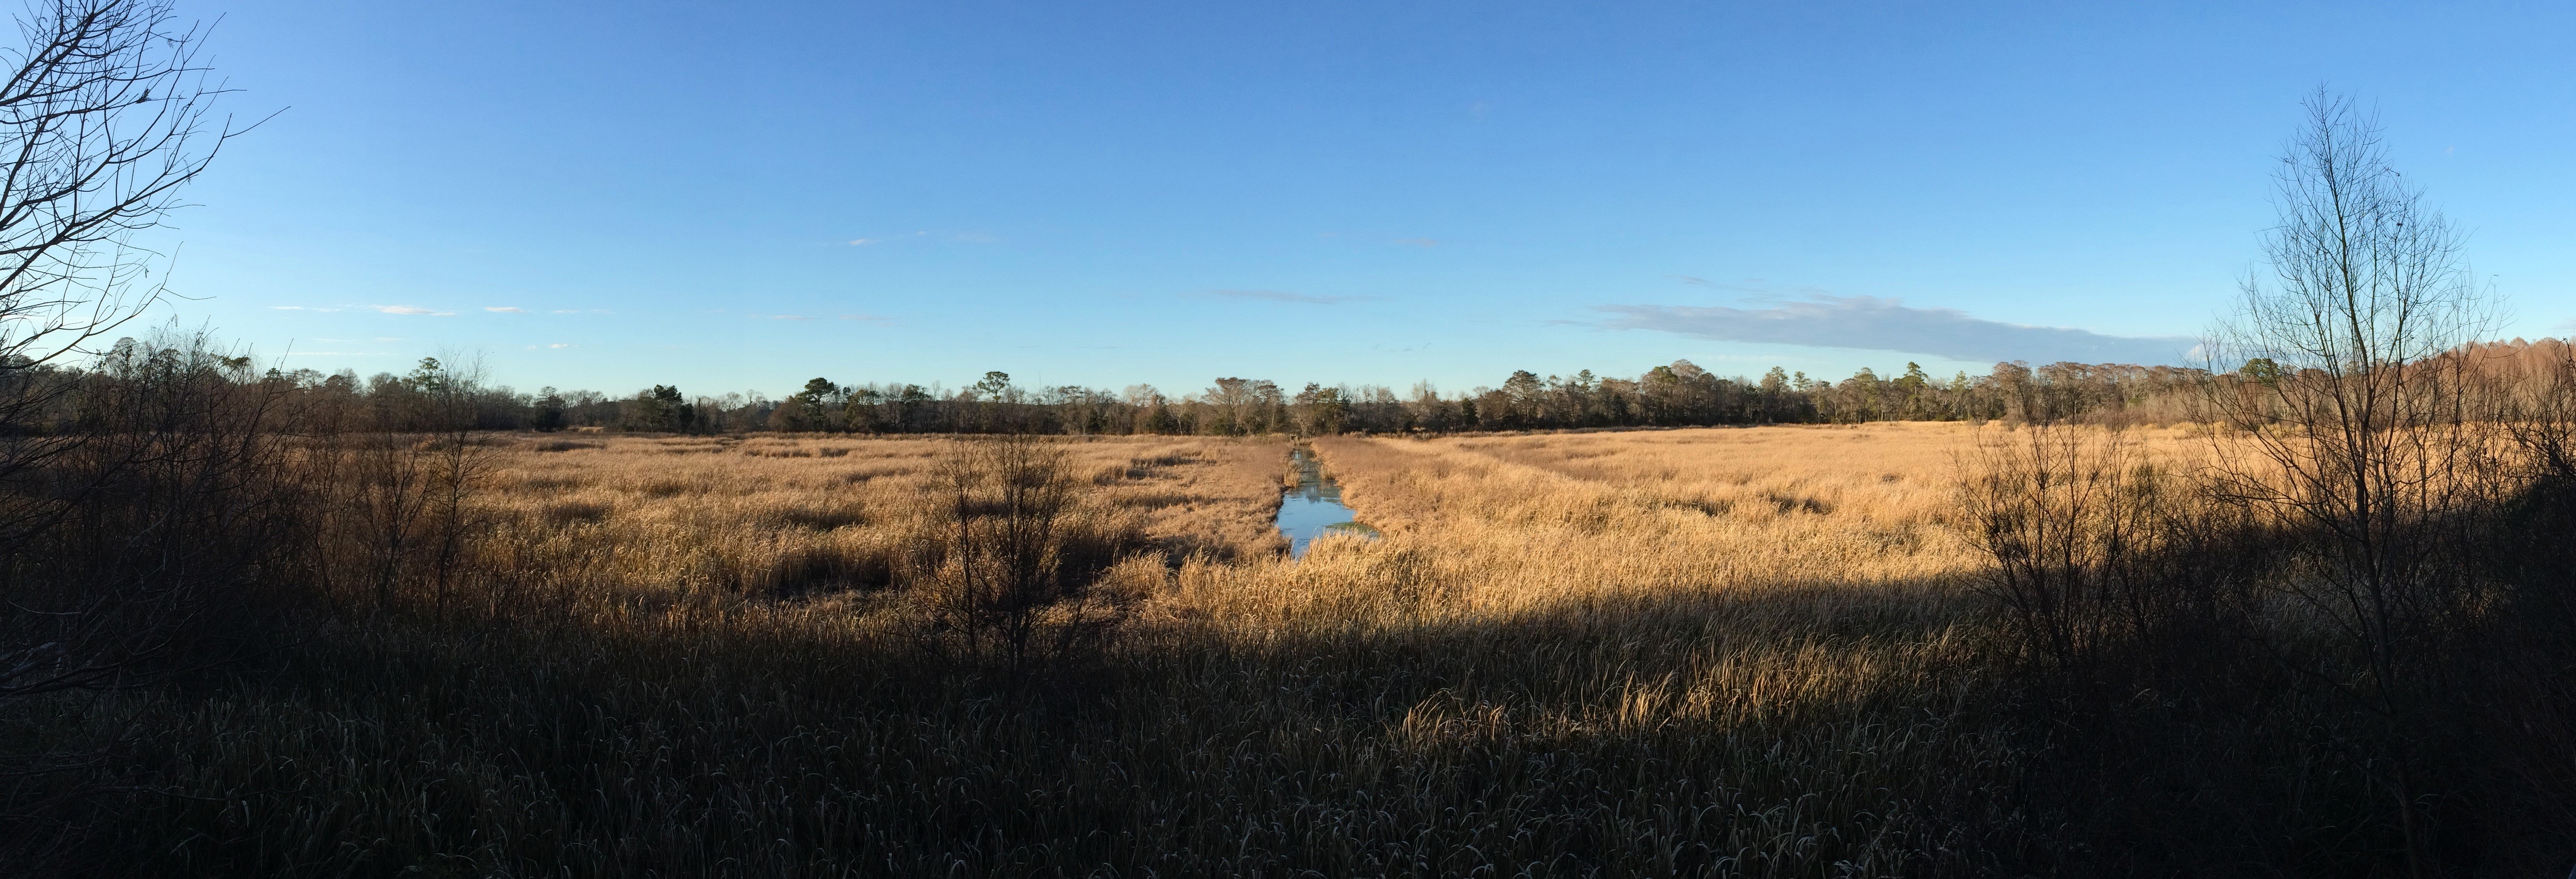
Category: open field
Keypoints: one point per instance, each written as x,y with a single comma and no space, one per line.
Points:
1536,679
774,517
1720,651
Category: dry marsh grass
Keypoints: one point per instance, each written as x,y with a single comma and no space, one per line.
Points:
771,516
1529,521
1704,652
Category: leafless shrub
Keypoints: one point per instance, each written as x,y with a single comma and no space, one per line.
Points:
1008,557
181,486
2067,513
164,533
400,473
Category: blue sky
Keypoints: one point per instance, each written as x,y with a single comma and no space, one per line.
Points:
733,197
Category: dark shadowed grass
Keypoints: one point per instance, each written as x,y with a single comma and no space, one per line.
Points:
1646,741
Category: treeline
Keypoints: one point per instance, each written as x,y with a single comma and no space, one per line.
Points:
70,397
1679,395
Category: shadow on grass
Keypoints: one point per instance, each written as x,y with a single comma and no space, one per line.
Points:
1819,730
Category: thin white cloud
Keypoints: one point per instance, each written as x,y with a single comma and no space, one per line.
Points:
409,309
927,235
1872,323
1283,296
806,317
1756,286
506,309
560,345
908,236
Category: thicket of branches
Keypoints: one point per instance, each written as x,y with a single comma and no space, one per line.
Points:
2347,618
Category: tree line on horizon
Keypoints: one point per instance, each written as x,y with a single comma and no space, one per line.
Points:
1678,395
1681,394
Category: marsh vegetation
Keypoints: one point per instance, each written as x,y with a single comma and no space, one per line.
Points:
1769,651
2306,615
710,656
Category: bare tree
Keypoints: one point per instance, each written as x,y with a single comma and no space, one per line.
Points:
2353,419
113,529
1008,565
105,113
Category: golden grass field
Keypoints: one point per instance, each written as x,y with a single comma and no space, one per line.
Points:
1739,651
1497,525
1512,520
754,517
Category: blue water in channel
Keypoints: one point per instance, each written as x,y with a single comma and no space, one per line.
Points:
1314,508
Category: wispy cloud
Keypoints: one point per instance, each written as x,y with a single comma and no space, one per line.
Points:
505,309
806,317
1380,237
408,309
1872,323
1756,286
926,235
1283,296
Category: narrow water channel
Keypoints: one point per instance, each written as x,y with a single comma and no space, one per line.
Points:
1313,508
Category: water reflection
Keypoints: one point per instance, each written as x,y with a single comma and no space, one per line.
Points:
1314,507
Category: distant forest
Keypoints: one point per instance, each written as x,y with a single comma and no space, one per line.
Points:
1679,395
